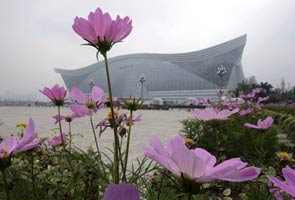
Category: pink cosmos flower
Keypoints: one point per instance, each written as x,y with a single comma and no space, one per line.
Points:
29,140
13,145
135,118
89,104
265,124
56,94
7,146
121,191
67,118
257,90
252,94
198,164
57,140
258,106
211,113
261,99
276,193
101,31
289,185
248,96
245,112
230,105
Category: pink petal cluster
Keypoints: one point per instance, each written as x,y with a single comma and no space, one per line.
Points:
288,185
258,104
135,118
245,112
261,99
57,140
122,191
56,94
120,120
211,113
252,94
256,90
198,164
230,105
261,124
247,96
276,193
13,144
88,104
107,121
7,146
67,118
99,28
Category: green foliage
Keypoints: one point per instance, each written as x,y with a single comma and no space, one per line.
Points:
229,139
285,117
53,178
247,86
283,95
277,95
256,192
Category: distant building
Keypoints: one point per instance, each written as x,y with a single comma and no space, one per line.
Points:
170,77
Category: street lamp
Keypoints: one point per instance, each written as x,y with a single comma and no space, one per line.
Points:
221,71
91,83
141,80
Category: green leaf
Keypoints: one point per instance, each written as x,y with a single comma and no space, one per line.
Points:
226,192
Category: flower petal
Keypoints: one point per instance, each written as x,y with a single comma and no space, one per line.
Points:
283,186
121,191
78,95
289,175
96,93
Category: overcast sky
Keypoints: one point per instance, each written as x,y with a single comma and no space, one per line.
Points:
36,35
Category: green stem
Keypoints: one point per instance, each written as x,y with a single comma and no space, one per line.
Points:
161,184
59,125
262,152
116,142
96,143
127,145
70,134
32,174
189,196
121,157
5,184
120,152
93,131
62,139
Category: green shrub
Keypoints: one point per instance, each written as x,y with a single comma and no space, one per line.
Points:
230,138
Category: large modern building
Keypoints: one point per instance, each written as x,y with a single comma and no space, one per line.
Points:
170,77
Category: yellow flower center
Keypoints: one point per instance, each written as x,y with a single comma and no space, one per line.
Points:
188,141
90,104
5,152
284,156
21,124
129,102
116,113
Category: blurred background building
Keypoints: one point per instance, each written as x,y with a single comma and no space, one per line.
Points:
172,78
